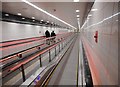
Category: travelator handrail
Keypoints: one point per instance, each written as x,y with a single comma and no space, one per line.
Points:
5,43
53,65
21,64
19,54
21,41
80,70
36,55
84,73
12,43
25,43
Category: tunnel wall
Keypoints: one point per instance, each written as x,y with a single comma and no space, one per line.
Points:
103,54
14,31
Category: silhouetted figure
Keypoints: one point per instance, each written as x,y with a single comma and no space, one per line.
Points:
47,34
53,35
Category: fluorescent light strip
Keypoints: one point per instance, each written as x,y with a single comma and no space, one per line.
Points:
78,24
78,19
19,13
104,20
84,24
78,15
75,0
94,9
77,10
33,17
47,13
89,15
23,18
6,14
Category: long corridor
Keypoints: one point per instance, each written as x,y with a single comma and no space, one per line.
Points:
59,43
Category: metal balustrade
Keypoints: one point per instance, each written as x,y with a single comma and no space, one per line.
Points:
61,42
19,54
13,47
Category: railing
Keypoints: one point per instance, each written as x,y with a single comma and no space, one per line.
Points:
20,41
20,54
10,48
61,42
15,42
27,49
81,71
84,73
87,72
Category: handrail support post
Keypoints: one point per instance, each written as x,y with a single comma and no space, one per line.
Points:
40,61
55,50
59,47
49,56
23,73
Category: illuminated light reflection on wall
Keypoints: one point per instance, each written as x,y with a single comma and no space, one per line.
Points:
100,21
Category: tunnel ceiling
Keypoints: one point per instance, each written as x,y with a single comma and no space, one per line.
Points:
63,10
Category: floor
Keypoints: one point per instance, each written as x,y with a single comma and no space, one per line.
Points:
66,71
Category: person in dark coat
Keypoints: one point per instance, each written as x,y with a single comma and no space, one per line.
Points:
53,35
47,34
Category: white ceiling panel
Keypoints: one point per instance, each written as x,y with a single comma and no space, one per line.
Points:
62,10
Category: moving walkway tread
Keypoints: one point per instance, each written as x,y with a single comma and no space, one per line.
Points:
66,71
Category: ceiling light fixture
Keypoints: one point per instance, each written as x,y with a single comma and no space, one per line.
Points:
47,21
23,18
6,14
33,17
94,9
41,20
89,15
76,1
19,13
29,3
77,10
78,24
78,15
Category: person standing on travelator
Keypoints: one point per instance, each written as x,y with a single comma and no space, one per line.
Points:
47,34
53,35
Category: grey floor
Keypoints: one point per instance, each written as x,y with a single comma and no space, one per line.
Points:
66,71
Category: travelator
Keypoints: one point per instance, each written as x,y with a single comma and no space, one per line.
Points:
44,62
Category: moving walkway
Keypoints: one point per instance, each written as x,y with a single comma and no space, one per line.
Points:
60,63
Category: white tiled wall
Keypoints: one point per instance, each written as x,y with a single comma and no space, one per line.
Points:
106,50
14,31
